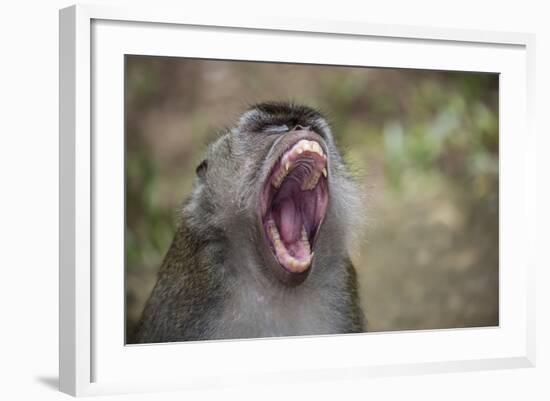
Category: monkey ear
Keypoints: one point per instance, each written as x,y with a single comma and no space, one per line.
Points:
201,169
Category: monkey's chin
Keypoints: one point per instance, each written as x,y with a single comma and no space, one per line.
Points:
294,203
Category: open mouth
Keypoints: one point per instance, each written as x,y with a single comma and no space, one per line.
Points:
294,203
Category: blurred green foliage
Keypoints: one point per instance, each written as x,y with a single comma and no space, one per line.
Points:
423,144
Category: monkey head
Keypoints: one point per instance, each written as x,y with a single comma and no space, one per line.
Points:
274,184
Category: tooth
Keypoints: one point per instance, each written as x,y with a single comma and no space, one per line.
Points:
287,166
299,151
291,264
314,179
274,232
315,147
306,146
280,176
325,172
304,238
304,234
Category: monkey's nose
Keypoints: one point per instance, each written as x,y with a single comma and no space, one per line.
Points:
301,128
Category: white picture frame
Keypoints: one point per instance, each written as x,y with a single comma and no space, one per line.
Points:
93,357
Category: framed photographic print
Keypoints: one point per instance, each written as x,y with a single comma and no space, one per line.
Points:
255,192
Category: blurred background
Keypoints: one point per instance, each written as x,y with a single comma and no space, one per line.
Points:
423,144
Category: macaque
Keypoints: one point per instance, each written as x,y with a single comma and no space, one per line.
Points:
263,243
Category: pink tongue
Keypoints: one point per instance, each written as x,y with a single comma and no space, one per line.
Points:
290,221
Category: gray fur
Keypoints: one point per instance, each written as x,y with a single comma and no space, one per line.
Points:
214,283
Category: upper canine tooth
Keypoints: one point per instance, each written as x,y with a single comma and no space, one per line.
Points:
325,172
287,166
277,181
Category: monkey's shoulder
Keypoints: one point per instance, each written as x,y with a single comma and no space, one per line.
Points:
187,298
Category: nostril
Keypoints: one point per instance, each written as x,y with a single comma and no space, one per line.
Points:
302,128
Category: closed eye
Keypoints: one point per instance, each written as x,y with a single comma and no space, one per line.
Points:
275,129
